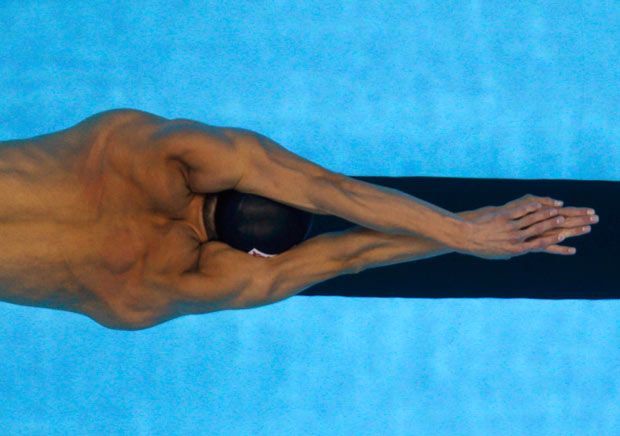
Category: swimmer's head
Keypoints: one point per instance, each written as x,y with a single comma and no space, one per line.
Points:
255,224
208,215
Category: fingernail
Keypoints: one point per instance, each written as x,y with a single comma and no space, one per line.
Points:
559,203
591,212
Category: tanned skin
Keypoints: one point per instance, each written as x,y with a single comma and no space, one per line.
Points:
92,215
101,219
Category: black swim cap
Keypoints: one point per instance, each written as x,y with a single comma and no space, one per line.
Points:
250,222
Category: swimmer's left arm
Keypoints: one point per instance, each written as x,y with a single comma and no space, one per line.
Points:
244,160
274,172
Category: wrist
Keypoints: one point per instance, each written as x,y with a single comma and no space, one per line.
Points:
465,230
470,215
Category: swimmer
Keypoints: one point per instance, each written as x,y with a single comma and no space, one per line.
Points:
117,218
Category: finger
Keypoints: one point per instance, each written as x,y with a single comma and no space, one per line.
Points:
547,201
560,249
567,233
576,211
524,209
579,221
540,228
575,217
539,244
536,217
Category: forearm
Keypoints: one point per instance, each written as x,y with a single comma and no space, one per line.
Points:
351,251
367,248
390,211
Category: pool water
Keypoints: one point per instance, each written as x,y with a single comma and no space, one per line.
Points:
460,89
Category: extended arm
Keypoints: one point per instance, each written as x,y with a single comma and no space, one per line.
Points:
230,279
274,172
348,252
227,158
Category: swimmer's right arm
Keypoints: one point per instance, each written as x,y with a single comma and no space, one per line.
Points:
331,255
232,279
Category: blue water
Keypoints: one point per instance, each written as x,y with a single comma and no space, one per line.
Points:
435,88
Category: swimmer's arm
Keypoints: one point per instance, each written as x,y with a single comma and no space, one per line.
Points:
334,254
263,281
230,158
234,280
274,172
231,279
353,251
348,252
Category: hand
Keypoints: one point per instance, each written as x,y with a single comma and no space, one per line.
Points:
520,227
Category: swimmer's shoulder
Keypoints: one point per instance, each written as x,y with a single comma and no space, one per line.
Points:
121,126
114,119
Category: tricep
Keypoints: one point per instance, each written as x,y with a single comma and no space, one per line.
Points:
231,279
219,159
226,279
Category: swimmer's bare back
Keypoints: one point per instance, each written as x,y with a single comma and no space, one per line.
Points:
91,215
